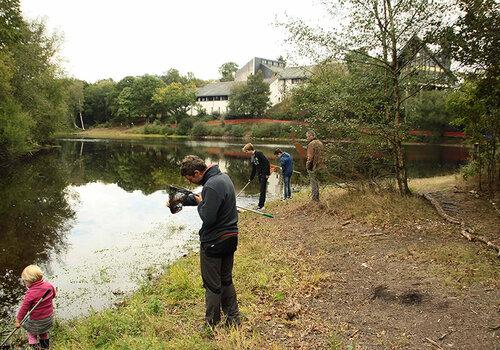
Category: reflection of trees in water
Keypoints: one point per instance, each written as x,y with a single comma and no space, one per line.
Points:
34,219
148,168
239,171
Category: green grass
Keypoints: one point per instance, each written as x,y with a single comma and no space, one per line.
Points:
167,313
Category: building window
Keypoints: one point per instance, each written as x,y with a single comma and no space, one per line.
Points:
224,98
296,80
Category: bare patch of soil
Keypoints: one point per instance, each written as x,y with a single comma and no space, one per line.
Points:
398,284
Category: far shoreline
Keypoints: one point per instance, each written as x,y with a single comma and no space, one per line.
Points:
122,133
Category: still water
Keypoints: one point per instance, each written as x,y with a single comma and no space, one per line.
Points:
92,212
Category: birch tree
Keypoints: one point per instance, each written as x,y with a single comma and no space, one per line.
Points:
383,39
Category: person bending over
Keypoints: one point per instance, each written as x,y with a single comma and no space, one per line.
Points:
261,168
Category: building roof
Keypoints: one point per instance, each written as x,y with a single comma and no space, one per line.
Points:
220,88
301,72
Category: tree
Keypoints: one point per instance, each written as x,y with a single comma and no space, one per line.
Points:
227,71
381,39
428,110
11,22
173,76
35,83
480,117
174,100
250,98
74,100
99,101
134,96
125,104
474,41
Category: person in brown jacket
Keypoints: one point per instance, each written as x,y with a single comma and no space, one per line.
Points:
315,162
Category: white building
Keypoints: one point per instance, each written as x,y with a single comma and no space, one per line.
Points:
214,97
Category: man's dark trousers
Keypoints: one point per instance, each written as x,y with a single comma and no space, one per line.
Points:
262,189
219,289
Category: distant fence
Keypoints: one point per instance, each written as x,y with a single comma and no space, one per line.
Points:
458,134
255,121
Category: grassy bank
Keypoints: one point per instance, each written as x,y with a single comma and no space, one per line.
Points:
167,314
304,281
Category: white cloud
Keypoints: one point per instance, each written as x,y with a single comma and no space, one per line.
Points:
112,38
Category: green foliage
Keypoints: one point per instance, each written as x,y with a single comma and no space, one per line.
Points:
473,38
427,110
227,71
33,101
158,129
200,129
476,107
217,131
235,130
98,102
474,41
271,130
15,130
284,111
185,126
380,44
251,98
11,22
174,100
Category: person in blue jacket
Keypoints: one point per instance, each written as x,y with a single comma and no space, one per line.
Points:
286,162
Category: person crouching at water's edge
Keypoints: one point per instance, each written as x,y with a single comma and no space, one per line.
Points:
261,167
218,237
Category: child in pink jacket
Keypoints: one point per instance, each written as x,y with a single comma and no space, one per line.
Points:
41,319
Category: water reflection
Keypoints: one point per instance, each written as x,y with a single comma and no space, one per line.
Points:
92,212
34,218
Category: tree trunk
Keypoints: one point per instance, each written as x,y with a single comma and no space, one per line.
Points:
400,162
401,174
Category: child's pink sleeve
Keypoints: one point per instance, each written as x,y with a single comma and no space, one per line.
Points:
25,307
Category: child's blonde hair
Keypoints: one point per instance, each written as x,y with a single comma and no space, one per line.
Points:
32,274
248,147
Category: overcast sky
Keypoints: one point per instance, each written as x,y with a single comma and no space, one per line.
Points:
113,38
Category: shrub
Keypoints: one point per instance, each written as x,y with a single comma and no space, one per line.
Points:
216,131
235,130
184,126
154,128
199,129
158,129
270,130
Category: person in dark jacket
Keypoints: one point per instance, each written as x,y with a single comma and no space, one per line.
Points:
286,162
261,168
218,237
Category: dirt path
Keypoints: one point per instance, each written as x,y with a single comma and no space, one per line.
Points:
409,282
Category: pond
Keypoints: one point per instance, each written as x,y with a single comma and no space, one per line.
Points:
92,213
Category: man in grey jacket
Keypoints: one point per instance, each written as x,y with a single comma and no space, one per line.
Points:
218,237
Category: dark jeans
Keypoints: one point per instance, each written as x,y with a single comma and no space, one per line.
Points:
216,272
287,188
262,189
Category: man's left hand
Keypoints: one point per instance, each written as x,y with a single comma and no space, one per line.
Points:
198,198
